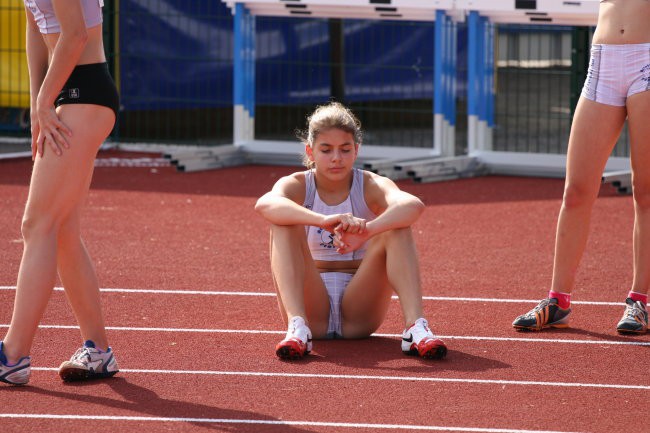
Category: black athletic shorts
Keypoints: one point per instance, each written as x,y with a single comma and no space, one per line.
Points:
90,84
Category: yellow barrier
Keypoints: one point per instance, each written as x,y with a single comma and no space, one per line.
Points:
14,77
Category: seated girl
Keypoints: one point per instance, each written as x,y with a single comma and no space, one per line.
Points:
341,244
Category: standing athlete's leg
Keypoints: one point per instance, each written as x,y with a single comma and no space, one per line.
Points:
57,186
594,132
635,317
76,270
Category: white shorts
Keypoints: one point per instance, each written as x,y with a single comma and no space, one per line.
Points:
335,283
617,72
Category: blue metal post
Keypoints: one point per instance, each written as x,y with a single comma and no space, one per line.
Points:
472,63
438,64
244,75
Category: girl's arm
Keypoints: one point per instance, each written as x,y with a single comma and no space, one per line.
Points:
69,47
396,209
281,206
37,66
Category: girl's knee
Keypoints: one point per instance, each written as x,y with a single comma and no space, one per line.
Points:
357,329
641,196
37,225
578,194
286,230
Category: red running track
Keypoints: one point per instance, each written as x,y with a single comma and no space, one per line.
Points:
196,350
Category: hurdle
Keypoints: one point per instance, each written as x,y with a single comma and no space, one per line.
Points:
440,160
621,180
439,12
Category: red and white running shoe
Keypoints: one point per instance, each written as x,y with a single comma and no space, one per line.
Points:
297,342
419,340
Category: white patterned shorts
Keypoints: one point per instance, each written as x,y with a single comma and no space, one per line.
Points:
617,72
335,283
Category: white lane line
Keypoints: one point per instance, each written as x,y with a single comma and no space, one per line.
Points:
378,378
269,422
272,294
396,336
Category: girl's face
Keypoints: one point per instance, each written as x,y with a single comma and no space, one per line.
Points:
334,152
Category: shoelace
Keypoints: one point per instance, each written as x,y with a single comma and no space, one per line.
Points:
80,354
421,331
543,304
634,310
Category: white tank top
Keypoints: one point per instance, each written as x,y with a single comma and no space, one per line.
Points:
320,241
47,21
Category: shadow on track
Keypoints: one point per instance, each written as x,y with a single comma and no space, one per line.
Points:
136,400
385,355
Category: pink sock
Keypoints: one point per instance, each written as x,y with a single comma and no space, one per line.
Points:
635,296
563,299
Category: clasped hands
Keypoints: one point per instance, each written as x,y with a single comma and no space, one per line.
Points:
349,232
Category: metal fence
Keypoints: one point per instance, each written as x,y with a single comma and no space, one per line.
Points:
539,77
172,61
383,70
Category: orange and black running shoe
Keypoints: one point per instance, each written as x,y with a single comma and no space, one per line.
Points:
547,314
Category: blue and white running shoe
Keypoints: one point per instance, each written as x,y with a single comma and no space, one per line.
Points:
14,374
88,362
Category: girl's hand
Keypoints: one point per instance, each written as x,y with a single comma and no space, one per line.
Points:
346,242
35,128
345,222
351,224
51,130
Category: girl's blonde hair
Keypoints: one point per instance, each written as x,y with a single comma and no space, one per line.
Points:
331,116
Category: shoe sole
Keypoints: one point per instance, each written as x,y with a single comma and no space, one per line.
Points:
435,352
631,331
290,351
535,328
78,374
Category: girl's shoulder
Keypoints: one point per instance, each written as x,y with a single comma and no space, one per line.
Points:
374,181
292,186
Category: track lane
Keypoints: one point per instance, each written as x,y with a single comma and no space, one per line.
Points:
320,400
470,361
488,319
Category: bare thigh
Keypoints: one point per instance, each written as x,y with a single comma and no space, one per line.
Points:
594,132
317,305
639,126
59,183
367,297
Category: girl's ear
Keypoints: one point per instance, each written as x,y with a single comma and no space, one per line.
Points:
309,152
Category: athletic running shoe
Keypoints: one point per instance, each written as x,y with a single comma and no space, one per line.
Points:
15,374
635,318
88,362
297,342
547,314
419,340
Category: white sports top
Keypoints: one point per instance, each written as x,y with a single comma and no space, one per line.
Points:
44,16
320,241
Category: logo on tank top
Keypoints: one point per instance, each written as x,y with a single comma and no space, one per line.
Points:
73,93
326,238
